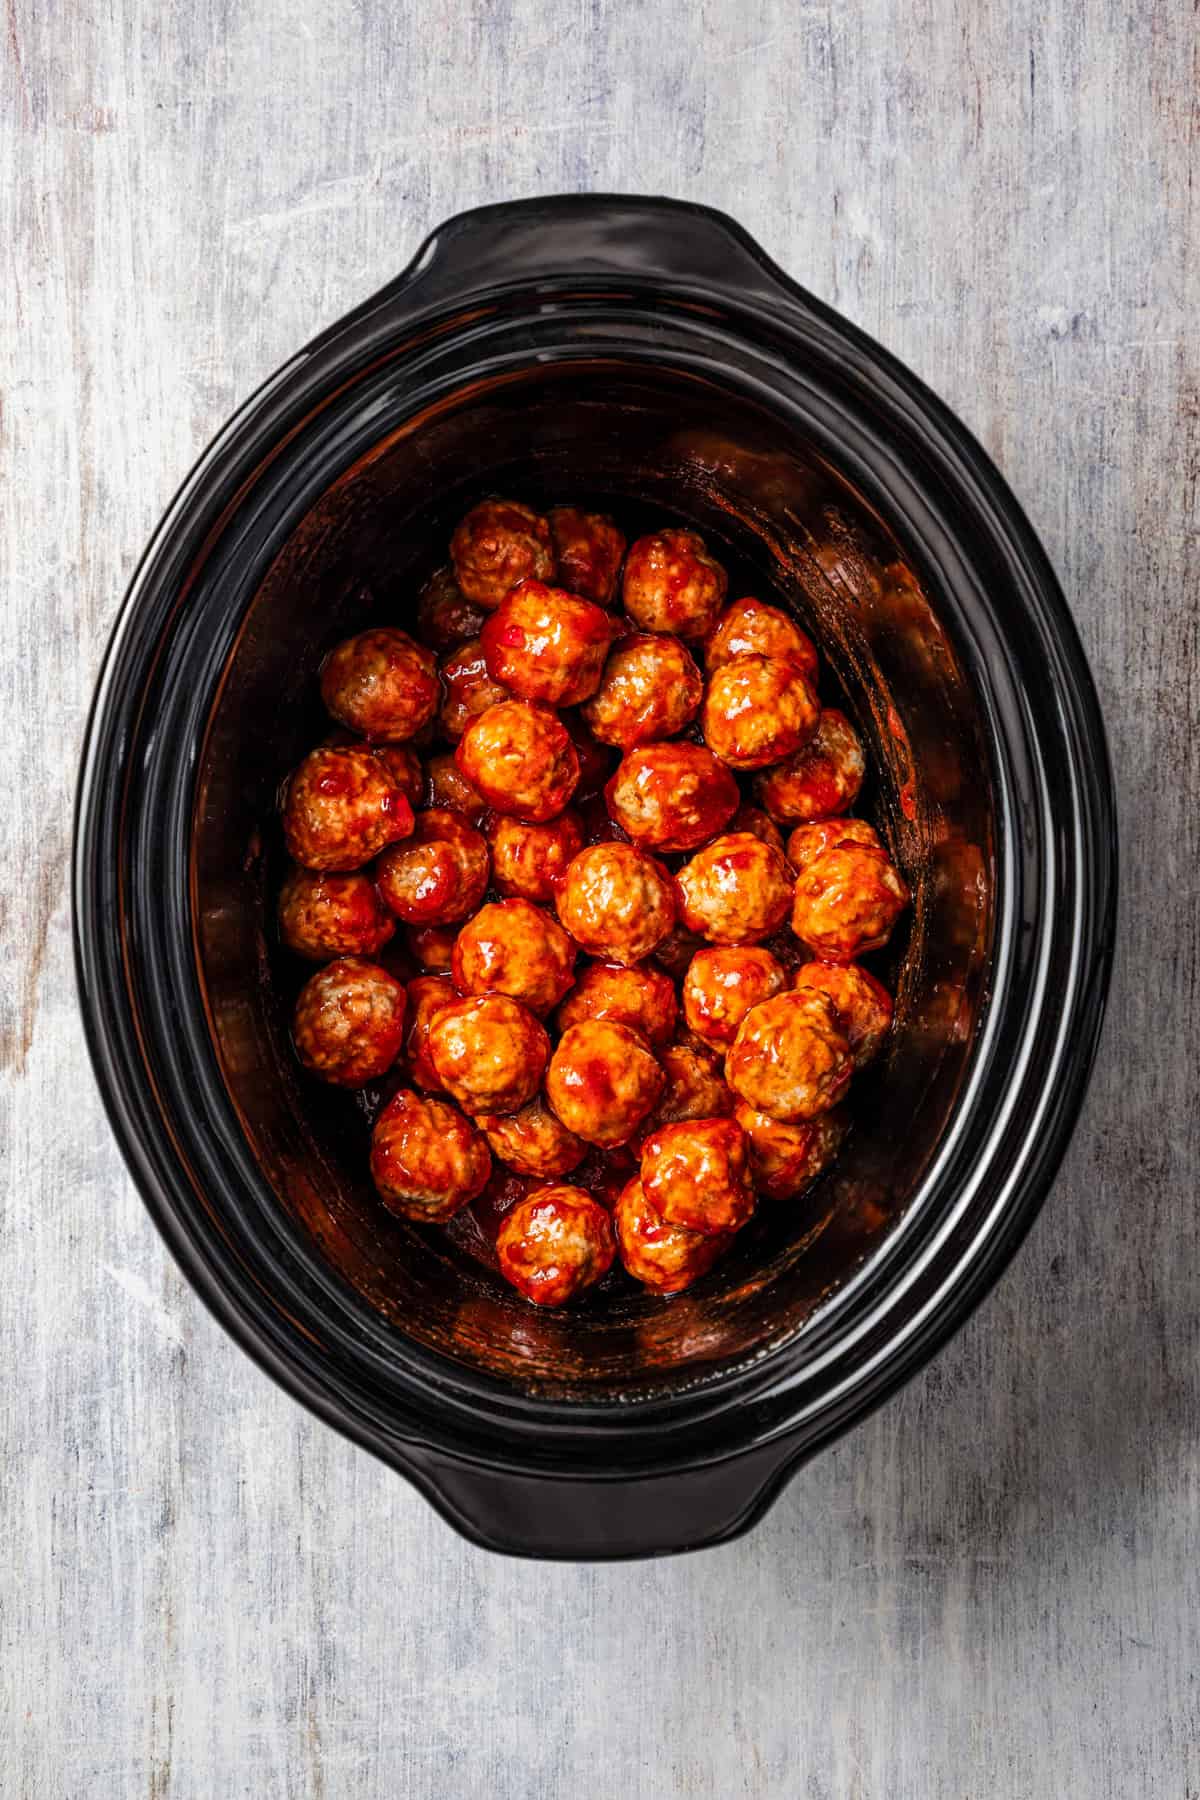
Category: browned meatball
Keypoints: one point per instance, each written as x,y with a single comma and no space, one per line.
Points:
735,891
789,1059
697,1175
554,1244
427,995
499,543
847,901
533,1141
432,946
445,617
349,1022
672,796
439,875
544,644
326,915
427,1161
521,759
752,628
819,780
447,786
589,549
530,860
757,710
341,808
722,985
862,1004
671,583
756,822
404,766
667,1258
806,843
650,689
641,998
490,1053
695,1087
603,1081
512,947
381,684
785,1159
616,902
470,688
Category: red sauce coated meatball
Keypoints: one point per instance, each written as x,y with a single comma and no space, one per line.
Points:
445,617
529,861
672,584
616,902
427,1161
554,1244
341,808
722,985
603,1080
348,1026
789,1059
735,891
697,1175
544,644
667,1258
427,995
447,786
521,759
758,709
847,901
470,688
490,1053
752,628
806,843
533,1141
589,549
650,689
439,875
499,543
672,796
862,1004
512,947
819,780
326,915
785,1159
642,998
432,946
381,684
695,1086
404,767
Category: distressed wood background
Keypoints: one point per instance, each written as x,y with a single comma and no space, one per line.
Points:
992,1588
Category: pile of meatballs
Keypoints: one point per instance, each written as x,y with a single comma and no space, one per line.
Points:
619,1010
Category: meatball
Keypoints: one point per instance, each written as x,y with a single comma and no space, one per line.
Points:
751,628
735,891
341,808
847,901
432,946
544,644
326,915
784,1159
672,584
499,543
667,1258
439,875
756,822
806,843
445,617
616,902
404,767
447,786
528,861
819,780
697,1175
521,759
589,549
758,709
470,688
789,1058
554,1244
349,1022
512,947
603,1080
427,995
695,1087
427,1161
641,998
672,796
533,1141
489,1052
650,689
381,684
720,988
862,1004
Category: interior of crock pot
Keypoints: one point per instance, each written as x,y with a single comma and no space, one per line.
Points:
650,445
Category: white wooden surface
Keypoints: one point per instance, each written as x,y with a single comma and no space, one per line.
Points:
992,1588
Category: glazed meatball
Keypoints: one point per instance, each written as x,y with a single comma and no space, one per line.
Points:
427,995
672,584
427,1161
470,688
616,902
641,998
720,988
528,861
490,1053
447,786
789,1058
603,1081
758,709
589,549
499,543
445,617
326,915
544,644
650,689
785,1159
432,946
735,891
341,808
807,842
672,796
756,822
667,1258
533,1141
404,767
751,628
439,875
349,1022
555,1244
847,901
521,759
695,1087
512,947
819,780
381,684
697,1175
862,1004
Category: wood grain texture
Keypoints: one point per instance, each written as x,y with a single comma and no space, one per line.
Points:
990,1589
